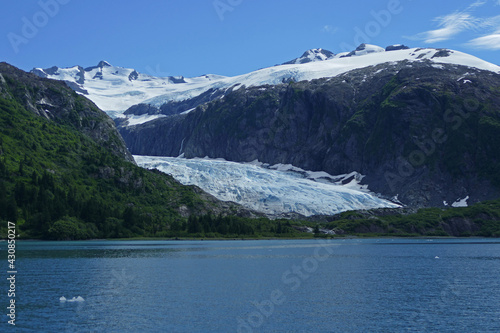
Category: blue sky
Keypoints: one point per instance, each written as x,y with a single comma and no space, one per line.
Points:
231,37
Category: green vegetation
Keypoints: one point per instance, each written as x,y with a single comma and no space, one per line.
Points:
482,219
56,182
207,226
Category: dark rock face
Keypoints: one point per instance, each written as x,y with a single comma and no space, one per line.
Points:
141,109
424,132
177,79
55,101
133,76
396,47
442,54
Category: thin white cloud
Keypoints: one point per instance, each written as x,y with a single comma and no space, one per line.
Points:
478,3
488,42
450,26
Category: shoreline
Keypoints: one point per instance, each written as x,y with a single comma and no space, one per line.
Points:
186,239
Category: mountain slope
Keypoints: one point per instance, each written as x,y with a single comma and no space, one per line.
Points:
441,118
66,174
115,89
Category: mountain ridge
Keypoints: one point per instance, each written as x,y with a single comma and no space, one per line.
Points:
119,93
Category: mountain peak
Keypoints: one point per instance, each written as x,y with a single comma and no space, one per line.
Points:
104,63
364,49
312,55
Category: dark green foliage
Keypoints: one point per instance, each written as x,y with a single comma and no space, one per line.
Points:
70,182
208,226
482,219
59,179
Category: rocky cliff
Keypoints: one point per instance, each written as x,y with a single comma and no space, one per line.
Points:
54,101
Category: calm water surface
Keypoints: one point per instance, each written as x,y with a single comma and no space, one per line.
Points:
375,285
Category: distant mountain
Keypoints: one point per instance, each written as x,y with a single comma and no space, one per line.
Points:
123,92
185,97
115,89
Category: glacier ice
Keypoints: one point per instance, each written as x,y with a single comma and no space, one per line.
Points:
272,190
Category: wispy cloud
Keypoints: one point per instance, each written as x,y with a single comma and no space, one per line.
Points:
452,25
478,3
488,42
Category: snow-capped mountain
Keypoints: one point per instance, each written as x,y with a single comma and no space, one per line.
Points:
369,56
115,89
363,110
273,190
374,119
312,55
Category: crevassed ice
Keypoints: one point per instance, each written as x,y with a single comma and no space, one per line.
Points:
269,190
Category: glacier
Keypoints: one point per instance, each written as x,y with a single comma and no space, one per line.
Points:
273,190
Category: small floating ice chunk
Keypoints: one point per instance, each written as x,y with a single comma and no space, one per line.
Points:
76,299
436,257
62,299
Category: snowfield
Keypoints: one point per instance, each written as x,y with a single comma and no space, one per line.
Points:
115,89
272,190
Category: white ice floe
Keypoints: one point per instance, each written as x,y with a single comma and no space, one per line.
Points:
74,299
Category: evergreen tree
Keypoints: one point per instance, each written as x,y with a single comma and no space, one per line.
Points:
11,210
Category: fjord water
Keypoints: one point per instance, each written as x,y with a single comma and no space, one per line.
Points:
350,285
